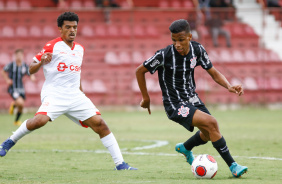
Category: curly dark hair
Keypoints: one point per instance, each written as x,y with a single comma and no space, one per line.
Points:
179,25
68,16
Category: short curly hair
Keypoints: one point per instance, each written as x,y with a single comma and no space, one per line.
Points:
68,16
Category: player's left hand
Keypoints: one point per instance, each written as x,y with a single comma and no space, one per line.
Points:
145,103
238,89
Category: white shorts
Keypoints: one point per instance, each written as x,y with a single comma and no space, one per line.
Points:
78,109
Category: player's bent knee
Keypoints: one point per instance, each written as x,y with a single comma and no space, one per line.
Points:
98,125
95,121
37,122
212,125
101,124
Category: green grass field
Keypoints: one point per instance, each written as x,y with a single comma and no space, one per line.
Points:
62,152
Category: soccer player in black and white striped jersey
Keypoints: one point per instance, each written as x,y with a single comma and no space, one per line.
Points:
175,65
13,74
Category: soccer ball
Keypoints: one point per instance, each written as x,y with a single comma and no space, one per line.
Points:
204,166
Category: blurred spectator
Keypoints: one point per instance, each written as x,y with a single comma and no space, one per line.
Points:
273,3
61,3
193,22
270,3
107,4
214,25
225,8
221,3
203,5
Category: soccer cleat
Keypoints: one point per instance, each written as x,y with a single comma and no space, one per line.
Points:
11,108
5,146
238,170
124,166
188,154
17,123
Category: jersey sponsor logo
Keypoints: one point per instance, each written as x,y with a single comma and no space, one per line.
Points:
193,62
207,57
62,67
75,68
183,111
154,63
151,58
194,100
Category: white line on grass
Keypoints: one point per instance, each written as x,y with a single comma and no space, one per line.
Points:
132,153
156,143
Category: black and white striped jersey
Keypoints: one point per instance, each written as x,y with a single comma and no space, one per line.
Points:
16,73
176,73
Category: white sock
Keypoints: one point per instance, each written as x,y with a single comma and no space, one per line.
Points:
111,144
20,132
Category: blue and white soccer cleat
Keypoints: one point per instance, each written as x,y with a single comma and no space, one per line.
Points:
188,154
124,166
237,170
5,146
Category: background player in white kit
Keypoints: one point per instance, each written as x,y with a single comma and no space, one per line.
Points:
62,93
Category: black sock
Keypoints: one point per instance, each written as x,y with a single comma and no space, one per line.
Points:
18,116
223,150
195,140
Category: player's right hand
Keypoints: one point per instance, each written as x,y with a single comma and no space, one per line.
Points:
46,58
146,104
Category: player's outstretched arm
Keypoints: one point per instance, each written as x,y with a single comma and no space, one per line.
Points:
140,76
221,80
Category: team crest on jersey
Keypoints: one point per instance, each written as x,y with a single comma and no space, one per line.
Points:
183,111
193,62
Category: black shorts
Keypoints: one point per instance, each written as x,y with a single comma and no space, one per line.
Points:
184,114
15,94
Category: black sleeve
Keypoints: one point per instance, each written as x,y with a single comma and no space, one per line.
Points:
203,58
8,67
154,62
